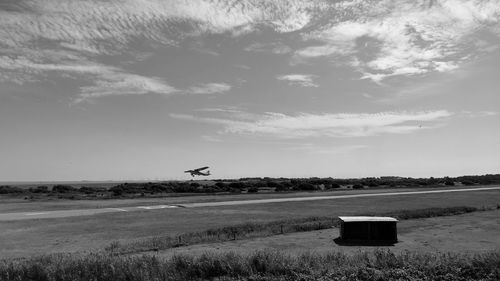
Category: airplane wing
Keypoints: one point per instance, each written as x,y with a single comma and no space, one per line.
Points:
201,169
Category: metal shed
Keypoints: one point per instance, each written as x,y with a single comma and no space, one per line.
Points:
376,229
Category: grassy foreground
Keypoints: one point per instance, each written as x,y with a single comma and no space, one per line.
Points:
263,229
261,265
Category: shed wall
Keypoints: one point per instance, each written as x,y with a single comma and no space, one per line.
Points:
375,231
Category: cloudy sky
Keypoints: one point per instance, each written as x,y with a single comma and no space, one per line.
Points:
144,89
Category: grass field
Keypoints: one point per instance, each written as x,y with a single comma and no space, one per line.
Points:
18,204
39,236
475,232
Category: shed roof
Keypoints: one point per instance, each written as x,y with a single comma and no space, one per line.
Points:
361,219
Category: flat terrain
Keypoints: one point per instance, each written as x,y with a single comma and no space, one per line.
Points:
10,205
45,214
38,236
473,232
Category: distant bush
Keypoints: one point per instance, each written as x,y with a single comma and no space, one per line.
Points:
334,185
466,182
40,189
220,185
250,184
62,188
7,189
281,188
237,185
91,190
273,184
306,186
253,190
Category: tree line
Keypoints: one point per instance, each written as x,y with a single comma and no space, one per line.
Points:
246,185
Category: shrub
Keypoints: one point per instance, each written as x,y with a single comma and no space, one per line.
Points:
40,189
306,186
61,188
7,189
237,185
91,190
220,185
253,190
195,184
334,185
357,186
281,188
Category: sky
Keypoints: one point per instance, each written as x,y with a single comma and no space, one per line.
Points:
145,89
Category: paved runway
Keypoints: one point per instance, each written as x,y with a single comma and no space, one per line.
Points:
88,212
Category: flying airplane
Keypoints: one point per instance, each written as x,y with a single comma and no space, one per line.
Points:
198,172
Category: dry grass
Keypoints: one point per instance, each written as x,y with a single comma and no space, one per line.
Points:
261,265
263,229
31,237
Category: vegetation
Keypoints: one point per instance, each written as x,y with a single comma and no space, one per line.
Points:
246,185
262,229
433,212
227,233
7,189
260,265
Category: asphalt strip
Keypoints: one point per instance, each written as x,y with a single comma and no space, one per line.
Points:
87,212
314,198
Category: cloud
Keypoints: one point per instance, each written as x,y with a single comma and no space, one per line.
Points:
402,38
315,149
304,80
275,48
327,125
480,114
73,37
115,84
380,39
94,26
209,88
106,80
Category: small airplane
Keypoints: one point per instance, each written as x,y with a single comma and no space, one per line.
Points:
198,172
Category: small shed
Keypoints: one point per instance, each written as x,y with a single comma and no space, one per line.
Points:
374,229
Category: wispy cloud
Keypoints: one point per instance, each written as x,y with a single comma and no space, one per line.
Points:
209,88
73,36
379,39
276,48
480,114
390,38
115,84
318,149
304,80
327,125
